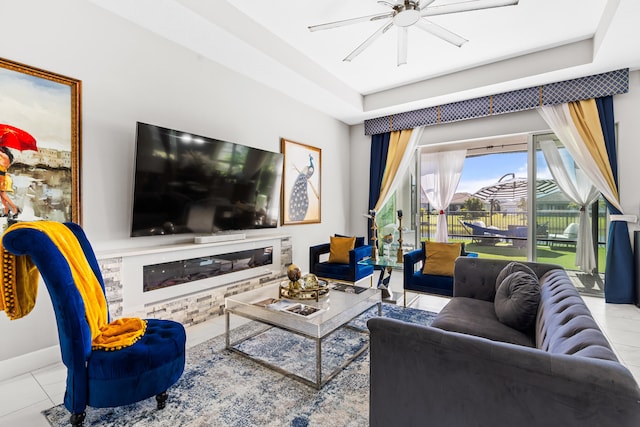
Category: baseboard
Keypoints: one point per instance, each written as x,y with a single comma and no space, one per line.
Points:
28,362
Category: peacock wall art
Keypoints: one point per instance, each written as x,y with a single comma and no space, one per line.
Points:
301,189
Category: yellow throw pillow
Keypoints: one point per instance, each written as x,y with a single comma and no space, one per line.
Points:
440,258
339,248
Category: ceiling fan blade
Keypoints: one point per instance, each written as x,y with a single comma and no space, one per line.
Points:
440,32
350,21
386,3
403,35
466,6
357,51
424,3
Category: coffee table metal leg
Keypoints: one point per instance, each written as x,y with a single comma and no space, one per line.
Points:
318,363
226,329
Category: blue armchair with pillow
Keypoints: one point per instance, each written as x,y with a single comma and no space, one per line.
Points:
435,277
342,264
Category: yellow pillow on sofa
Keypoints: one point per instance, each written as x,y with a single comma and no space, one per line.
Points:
339,248
440,258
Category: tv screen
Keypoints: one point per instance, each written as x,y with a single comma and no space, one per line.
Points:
186,183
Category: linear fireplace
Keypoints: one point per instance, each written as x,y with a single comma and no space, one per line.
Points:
196,301
157,276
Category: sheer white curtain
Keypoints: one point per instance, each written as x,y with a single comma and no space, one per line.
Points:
574,183
559,119
440,176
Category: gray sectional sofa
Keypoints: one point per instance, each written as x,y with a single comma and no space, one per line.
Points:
470,369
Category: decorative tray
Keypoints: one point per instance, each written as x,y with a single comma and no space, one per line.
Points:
312,293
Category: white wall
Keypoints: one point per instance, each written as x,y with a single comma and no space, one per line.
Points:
129,75
360,152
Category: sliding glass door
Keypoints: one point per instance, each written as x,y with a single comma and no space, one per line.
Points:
509,205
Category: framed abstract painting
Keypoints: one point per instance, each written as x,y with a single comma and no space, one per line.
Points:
301,180
40,152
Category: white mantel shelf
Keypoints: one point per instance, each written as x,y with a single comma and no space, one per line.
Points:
181,246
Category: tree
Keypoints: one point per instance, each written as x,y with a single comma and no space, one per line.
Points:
473,207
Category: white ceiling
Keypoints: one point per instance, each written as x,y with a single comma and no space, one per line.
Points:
534,42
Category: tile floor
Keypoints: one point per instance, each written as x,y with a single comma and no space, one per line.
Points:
24,396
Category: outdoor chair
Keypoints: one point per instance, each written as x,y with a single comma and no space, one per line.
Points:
478,229
142,367
568,236
493,233
542,230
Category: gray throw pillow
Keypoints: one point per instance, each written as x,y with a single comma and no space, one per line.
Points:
517,300
512,267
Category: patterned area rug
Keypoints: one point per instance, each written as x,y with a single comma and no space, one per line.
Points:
222,388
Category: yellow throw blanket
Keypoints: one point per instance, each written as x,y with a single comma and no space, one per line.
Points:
19,283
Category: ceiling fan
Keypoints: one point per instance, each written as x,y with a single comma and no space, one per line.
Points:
407,13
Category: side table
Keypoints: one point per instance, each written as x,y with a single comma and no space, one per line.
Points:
386,265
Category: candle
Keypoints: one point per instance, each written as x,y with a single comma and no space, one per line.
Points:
400,213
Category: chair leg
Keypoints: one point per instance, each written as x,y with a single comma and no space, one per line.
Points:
162,399
77,419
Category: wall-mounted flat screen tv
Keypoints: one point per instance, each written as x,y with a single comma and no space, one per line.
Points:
186,183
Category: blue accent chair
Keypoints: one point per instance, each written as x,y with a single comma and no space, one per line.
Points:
415,281
351,273
100,378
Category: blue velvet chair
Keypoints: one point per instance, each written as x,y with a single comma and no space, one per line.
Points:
351,272
100,378
415,281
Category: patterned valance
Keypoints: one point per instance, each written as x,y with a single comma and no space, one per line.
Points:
611,83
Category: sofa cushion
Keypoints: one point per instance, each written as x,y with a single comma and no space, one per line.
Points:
440,258
517,300
512,267
477,317
339,248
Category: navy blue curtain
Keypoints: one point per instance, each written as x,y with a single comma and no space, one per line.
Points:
379,150
618,278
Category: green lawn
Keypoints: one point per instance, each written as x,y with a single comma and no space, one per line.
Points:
564,256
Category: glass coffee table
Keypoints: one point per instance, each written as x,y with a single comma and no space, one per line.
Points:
332,312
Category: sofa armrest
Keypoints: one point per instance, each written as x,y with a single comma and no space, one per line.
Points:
455,379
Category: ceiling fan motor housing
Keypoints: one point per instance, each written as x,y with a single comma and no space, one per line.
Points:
406,14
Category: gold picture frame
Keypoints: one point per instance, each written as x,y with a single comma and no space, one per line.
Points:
46,105
301,182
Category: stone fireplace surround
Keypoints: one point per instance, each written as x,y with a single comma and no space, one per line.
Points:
192,302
